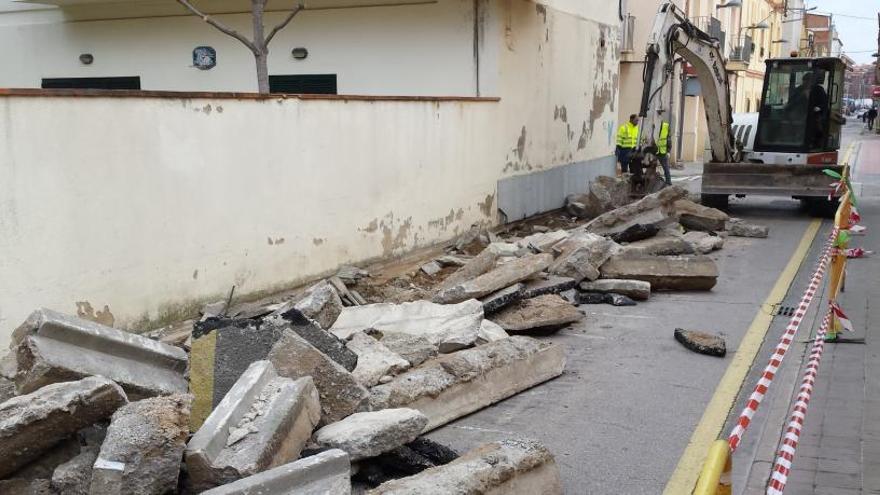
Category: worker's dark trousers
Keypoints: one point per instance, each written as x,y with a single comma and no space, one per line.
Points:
664,161
623,157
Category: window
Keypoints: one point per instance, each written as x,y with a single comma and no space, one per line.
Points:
133,82
316,84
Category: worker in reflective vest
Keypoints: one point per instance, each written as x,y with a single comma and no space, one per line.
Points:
663,151
627,139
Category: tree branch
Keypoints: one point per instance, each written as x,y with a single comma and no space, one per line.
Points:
296,10
219,25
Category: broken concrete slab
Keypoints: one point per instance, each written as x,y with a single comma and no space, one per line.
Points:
552,284
454,385
502,298
543,242
22,486
637,232
435,452
738,228
703,242
653,209
321,304
490,332
576,206
665,272
375,360
74,476
326,473
540,315
701,342
448,326
7,389
340,393
636,289
505,467
413,348
497,279
368,434
32,424
478,265
591,298
605,194
323,340
474,240
658,246
431,268
52,347
351,274
581,256
694,216
264,421
506,250
143,448
450,260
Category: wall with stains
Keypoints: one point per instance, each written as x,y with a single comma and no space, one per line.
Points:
559,83
130,210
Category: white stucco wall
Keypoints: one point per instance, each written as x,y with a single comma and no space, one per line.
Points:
418,49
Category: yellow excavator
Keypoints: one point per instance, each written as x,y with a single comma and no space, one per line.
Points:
781,150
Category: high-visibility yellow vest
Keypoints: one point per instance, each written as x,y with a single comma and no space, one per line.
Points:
628,135
663,140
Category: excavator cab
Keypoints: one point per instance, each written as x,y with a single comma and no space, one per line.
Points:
800,108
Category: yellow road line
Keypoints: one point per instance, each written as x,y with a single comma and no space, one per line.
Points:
684,478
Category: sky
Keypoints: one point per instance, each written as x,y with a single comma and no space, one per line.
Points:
857,34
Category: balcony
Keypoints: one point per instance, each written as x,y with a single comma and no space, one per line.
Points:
741,51
711,26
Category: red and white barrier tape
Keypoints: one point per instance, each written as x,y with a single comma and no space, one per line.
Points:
745,418
788,446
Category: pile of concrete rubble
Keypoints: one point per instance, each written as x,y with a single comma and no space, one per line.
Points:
329,393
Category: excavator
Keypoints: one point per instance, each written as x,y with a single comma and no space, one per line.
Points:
780,151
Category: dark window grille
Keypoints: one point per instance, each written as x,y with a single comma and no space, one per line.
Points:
133,82
315,84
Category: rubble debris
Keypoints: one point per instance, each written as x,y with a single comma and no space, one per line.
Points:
701,342
508,466
581,256
264,421
543,242
540,315
637,232
351,274
569,295
143,448
43,466
454,385
359,299
221,351
605,194
325,473
474,240
499,278
653,209
52,347
433,451
74,476
738,228
490,332
702,242
694,216
506,250
340,394
345,295
406,460
450,260
449,327
323,340
21,486
431,268
32,424
375,360
368,434
215,309
413,348
502,298
7,389
590,298
321,304
178,334
480,264
636,289
619,300
658,246
552,284
665,272
604,298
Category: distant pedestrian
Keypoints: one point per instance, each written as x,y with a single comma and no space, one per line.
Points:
627,140
872,114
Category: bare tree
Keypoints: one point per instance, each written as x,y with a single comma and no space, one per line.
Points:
259,46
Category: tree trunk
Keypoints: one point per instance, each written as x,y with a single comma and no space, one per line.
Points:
261,55
262,60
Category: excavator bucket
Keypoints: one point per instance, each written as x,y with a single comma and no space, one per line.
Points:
796,181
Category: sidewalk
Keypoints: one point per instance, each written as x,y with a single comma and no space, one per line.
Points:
839,450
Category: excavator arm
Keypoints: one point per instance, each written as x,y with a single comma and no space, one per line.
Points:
673,34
